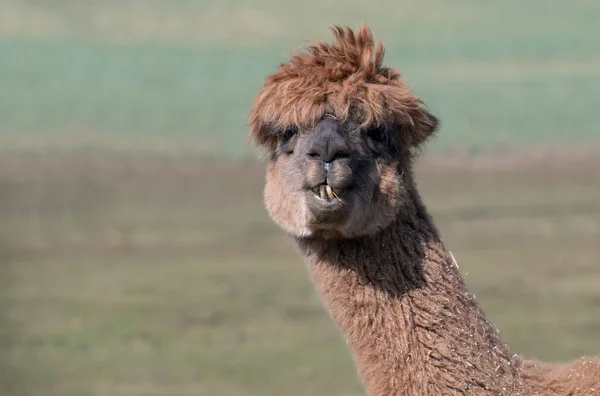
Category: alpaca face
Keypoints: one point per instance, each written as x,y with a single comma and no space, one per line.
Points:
340,129
337,179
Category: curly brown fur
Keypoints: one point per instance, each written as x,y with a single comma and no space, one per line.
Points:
341,131
346,79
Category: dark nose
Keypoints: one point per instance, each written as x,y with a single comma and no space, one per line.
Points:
328,143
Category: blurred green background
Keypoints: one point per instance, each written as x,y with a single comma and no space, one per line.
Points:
136,257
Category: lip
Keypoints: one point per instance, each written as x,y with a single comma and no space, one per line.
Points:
333,202
329,201
327,214
324,192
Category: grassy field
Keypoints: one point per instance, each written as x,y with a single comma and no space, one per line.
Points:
143,76
124,277
137,259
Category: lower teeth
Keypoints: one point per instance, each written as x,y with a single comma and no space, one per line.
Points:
325,192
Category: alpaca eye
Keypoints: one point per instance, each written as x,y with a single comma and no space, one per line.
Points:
377,133
288,133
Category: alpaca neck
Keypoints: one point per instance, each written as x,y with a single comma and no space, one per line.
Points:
408,318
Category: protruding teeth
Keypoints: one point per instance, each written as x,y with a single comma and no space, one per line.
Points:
329,192
322,191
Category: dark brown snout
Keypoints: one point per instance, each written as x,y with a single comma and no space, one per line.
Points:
327,143
328,156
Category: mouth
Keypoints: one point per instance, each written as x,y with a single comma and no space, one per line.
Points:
325,193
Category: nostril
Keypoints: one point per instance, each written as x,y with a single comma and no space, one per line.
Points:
336,156
342,155
328,158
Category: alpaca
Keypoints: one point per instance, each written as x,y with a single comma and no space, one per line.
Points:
341,132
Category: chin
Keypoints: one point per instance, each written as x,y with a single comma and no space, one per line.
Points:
328,214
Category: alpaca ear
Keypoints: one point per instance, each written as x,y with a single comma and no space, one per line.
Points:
423,126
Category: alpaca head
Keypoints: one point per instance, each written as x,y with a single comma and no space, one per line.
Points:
340,130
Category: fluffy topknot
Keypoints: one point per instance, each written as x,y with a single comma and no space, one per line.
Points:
345,78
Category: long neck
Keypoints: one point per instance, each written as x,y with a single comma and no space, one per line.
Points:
408,318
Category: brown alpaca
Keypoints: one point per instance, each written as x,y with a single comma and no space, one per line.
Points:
342,131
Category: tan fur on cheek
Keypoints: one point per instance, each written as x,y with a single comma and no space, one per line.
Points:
286,206
385,204
389,187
